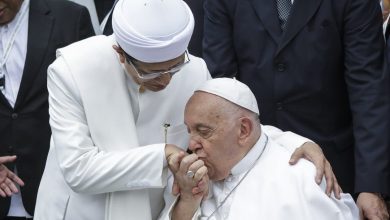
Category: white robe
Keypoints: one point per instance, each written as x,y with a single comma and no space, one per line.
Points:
103,162
97,147
272,190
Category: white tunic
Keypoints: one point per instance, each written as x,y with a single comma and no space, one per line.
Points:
97,147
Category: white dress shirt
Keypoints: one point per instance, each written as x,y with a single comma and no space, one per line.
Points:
13,68
13,71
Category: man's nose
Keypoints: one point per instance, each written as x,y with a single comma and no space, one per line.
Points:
194,144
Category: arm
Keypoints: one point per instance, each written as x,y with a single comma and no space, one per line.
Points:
85,166
305,148
367,86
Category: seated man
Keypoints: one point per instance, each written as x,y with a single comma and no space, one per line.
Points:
251,177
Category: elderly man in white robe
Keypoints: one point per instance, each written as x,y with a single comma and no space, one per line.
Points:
117,112
251,178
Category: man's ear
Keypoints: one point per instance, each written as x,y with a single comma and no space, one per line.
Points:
120,52
246,129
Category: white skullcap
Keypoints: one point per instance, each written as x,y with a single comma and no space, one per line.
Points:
153,30
233,91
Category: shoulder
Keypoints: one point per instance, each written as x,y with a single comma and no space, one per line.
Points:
194,73
92,48
276,157
62,6
63,12
90,57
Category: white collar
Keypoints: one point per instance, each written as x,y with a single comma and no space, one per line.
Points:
251,157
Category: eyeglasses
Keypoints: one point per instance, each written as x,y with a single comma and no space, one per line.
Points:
154,74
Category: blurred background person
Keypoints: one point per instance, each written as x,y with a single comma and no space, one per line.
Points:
31,31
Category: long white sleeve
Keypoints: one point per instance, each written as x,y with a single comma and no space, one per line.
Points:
86,167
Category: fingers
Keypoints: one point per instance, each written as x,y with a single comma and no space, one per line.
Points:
322,169
2,193
6,189
175,188
336,188
7,159
202,186
194,167
12,176
174,161
186,162
11,185
298,153
200,173
329,178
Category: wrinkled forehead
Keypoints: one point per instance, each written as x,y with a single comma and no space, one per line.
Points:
206,106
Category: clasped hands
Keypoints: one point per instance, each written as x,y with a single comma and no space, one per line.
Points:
190,175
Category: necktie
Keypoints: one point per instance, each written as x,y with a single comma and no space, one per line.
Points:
284,8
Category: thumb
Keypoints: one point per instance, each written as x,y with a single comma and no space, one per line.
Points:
175,188
7,159
296,156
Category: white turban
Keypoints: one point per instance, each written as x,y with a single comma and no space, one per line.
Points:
153,30
233,91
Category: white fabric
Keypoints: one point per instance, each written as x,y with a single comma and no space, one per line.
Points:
225,188
13,71
104,164
150,31
385,26
274,190
14,66
233,91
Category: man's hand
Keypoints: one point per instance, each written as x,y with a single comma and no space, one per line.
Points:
191,181
313,153
372,207
170,150
178,164
7,178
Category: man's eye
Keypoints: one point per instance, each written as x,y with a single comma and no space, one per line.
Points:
204,132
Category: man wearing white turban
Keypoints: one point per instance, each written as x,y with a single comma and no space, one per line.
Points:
116,114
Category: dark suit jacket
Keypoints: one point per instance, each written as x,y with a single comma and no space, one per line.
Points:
195,46
322,78
25,130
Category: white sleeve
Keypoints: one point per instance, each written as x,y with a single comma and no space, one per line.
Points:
287,139
314,202
85,167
